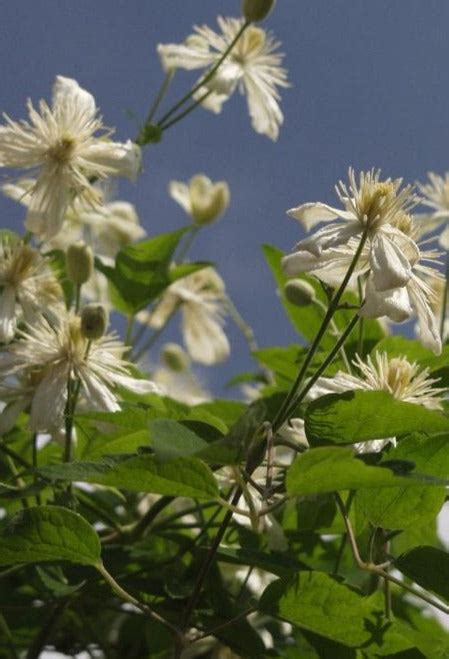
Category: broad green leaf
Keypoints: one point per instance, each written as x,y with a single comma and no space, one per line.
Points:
279,564
428,567
188,477
104,445
171,440
316,602
282,361
358,416
402,508
141,270
327,469
49,533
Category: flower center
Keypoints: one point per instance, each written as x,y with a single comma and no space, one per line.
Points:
21,265
62,150
251,43
375,201
400,374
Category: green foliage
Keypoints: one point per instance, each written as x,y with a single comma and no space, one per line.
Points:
359,416
49,533
428,567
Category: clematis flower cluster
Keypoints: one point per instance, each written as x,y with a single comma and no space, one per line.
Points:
396,274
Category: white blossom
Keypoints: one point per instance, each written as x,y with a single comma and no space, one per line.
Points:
200,297
63,146
436,197
404,380
27,286
57,351
253,67
202,199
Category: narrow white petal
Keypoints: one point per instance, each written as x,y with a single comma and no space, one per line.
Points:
395,304
330,236
112,158
68,95
429,333
135,385
8,322
204,338
192,55
47,409
314,213
180,193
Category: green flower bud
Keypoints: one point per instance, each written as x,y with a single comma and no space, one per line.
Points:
94,321
257,10
79,260
299,292
174,357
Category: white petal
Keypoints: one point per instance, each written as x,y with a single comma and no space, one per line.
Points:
8,322
204,338
96,392
266,115
191,55
444,239
135,385
390,268
48,205
429,333
10,413
395,304
374,445
69,96
314,213
180,193
330,236
49,400
112,158
163,311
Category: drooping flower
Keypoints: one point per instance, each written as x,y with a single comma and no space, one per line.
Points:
404,380
436,197
370,205
202,199
175,378
253,66
57,351
64,147
27,286
200,297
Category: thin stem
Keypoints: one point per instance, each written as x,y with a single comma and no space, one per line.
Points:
154,337
20,483
243,326
185,112
344,538
35,464
329,359
155,105
40,641
445,294
379,570
77,297
362,320
207,77
387,598
127,597
129,330
194,230
281,415
68,419
228,623
336,332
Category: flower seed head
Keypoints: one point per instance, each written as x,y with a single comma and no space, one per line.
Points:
79,262
299,292
174,357
257,10
94,321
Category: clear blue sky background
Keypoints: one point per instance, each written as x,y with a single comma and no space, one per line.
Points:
370,88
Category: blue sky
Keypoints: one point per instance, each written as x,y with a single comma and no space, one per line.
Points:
369,88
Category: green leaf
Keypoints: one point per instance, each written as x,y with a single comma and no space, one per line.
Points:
49,533
171,440
402,508
316,602
282,361
358,416
399,346
188,477
141,270
329,469
428,567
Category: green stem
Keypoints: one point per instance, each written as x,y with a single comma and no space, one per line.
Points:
127,597
243,326
207,77
77,297
155,105
362,320
192,234
185,112
35,464
40,641
129,330
445,294
68,421
154,337
333,306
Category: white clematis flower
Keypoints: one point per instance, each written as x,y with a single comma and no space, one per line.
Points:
201,297
62,146
369,205
436,197
253,66
404,380
202,199
59,351
27,287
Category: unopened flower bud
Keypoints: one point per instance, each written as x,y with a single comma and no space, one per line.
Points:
257,10
94,320
79,261
208,200
299,292
174,357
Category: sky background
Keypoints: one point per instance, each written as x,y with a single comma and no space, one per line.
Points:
369,88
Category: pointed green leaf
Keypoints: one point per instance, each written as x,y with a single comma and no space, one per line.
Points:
428,567
49,533
358,416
